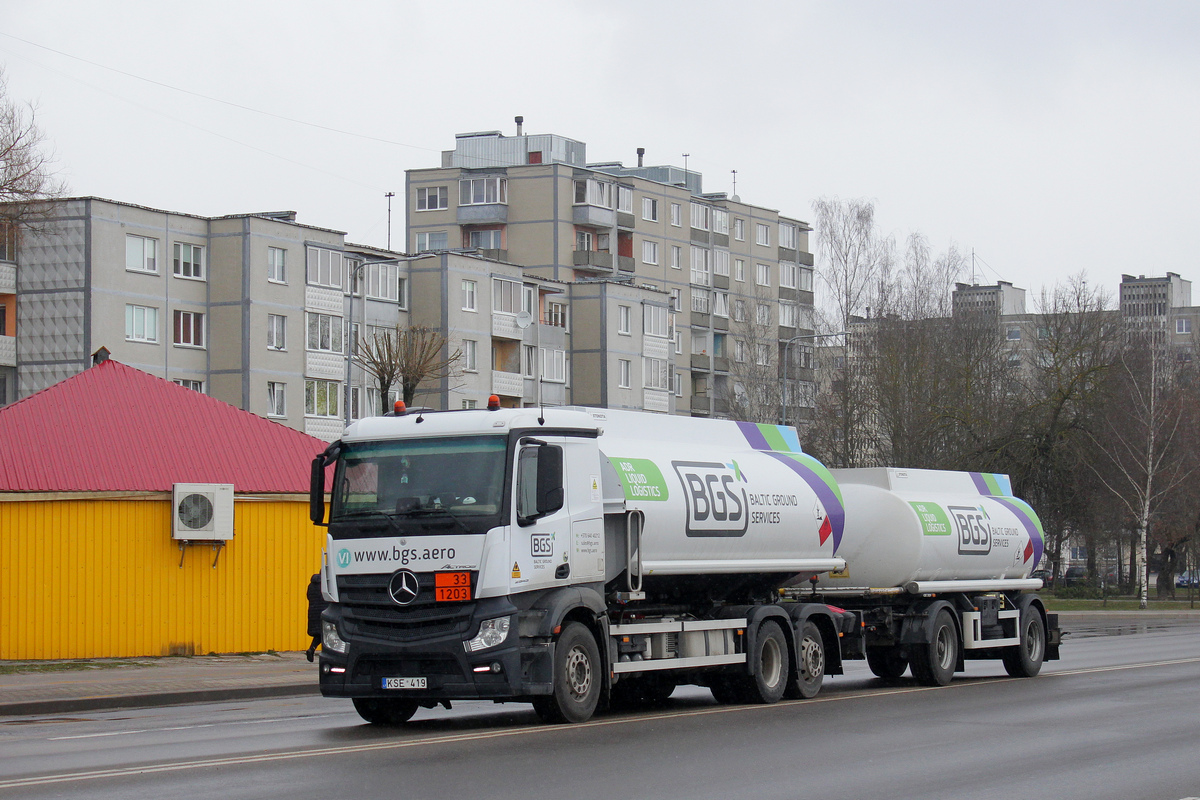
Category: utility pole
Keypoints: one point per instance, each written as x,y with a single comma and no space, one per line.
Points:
389,196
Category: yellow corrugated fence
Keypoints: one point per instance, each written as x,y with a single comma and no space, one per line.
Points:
90,578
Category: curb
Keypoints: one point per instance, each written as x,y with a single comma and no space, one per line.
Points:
154,699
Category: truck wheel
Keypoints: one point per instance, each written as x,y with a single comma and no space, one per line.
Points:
933,664
727,690
887,663
1025,659
810,669
772,665
576,678
385,710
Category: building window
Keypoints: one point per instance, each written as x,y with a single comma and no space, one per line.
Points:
8,252
649,209
788,315
787,236
676,256
402,292
806,279
739,310
623,373
486,239
739,351
701,266
700,300
1014,334
623,317
556,314
554,365
468,296
189,329
655,320
321,398
655,373
625,199
762,234
470,355
276,399
676,299
195,386
510,297
764,314
720,221
739,229
787,274
432,198
467,405
701,216
432,240
324,267
276,265
720,262
649,252
141,324
583,240
383,280
739,269
592,192
1183,326
189,261
324,333
276,332
763,275
529,360
762,355
482,191
676,215
141,254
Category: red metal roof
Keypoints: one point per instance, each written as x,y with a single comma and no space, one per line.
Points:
115,428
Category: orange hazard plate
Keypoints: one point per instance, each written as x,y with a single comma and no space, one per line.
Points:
452,586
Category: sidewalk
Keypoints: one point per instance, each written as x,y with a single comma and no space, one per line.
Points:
55,687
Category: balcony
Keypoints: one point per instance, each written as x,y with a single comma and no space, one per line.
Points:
700,361
656,400
8,279
508,384
505,327
594,259
8,351
625,263
699,404
593,216
490,213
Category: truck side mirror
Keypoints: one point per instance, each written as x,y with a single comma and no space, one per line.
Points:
316,491
549,479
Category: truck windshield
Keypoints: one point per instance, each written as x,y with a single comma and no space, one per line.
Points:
460,476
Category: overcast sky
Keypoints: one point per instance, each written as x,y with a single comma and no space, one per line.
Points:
1050,138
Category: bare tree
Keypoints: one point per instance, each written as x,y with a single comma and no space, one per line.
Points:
408,356
752,390
1139,449
27,176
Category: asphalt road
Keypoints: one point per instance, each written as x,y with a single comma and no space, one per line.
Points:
1118,717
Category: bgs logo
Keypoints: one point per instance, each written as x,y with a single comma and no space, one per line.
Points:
716,503
541,545
974,530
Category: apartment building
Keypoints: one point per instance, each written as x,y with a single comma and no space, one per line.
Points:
736,278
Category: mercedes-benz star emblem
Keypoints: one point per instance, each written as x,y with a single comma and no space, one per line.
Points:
403,587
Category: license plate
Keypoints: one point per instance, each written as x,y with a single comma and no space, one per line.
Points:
403,683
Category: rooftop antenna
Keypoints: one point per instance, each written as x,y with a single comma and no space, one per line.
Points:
685,172
389,196
734,171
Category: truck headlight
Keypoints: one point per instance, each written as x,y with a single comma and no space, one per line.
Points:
491,633
331,639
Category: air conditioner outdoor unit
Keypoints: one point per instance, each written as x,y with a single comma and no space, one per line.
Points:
202,511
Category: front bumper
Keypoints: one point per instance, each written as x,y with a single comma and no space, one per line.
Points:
517,668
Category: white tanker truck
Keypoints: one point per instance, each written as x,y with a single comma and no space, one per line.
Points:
573,557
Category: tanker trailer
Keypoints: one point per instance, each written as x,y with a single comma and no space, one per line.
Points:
570,557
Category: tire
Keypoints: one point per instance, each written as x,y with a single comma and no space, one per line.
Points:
577,678
772,666
1025,659
385,710
727,690
810,664
933,663
887,663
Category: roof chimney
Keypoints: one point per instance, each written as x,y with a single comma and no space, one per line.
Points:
100,356
641,152
520,121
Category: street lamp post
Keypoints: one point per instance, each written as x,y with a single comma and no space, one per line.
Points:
783,385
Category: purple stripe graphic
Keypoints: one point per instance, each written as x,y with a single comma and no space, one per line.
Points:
1030,527
981,484
837,514
754,436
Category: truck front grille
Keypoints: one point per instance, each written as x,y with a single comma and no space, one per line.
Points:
369,610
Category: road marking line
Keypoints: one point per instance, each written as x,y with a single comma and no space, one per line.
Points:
187,727
227,761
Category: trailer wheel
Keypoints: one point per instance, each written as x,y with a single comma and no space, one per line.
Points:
887,663
810,670
933,664
385,710
772,665
1025,659
576,678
